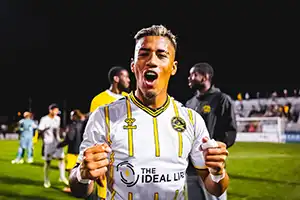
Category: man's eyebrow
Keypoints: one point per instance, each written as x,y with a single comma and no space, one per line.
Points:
159,50
144,49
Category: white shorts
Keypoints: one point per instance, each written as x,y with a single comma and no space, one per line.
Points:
51,152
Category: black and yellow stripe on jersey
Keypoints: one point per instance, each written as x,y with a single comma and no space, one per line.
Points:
154,114
129,126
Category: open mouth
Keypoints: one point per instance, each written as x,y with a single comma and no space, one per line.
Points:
150,76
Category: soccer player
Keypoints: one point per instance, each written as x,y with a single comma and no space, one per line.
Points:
118,78
50,126
143,141
26,126
217,110
73,139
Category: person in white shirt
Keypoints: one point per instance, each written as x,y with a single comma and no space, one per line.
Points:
143,141
49,127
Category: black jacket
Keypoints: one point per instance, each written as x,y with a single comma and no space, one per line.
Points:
74,137
217,110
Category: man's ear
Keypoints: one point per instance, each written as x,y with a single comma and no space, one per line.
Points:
174,68
206,77
132,65
116,79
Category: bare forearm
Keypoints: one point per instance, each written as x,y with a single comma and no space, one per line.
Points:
78,189
216,189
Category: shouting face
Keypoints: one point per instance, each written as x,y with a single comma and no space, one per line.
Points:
153,65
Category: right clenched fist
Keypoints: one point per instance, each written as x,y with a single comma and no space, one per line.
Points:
95,161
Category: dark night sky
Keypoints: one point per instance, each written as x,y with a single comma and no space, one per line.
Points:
49,46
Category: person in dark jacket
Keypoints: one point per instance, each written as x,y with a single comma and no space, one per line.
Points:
217,110
73,139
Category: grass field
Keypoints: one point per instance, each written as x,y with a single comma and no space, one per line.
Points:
257,170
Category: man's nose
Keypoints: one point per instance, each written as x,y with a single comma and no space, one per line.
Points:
153,60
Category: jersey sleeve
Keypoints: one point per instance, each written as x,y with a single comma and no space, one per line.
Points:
59,122
34,125
94,132
200,129
94,104
42,124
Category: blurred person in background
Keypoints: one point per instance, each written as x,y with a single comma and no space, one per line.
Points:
26,127
119,80
73,139
49,127
217,110
34,138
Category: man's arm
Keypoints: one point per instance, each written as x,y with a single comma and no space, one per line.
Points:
79,190
208,161
216,189
215,178
63,143
19,125
69,137
34,125
57,130
42,127
228,121
93,168
93,157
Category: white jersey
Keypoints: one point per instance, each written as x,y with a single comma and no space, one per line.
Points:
150,148
52,125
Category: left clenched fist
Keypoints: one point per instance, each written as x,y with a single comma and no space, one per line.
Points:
215,155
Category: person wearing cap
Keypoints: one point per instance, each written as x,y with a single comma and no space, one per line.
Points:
217,110
49,127
26,127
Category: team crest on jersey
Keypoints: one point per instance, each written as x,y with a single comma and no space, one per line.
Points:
129,122
127,174
178,124
206,109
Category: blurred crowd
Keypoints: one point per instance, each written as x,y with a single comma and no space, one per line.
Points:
282,105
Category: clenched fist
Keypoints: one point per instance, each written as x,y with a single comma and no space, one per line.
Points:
95,161
215,155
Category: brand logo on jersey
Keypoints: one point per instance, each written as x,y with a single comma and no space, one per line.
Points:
129,122
206,109
178,124
127,173
145,175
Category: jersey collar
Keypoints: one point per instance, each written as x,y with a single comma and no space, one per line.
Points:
150,111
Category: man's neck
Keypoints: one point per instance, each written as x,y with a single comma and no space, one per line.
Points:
51,116
115,89
204,89
155,102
